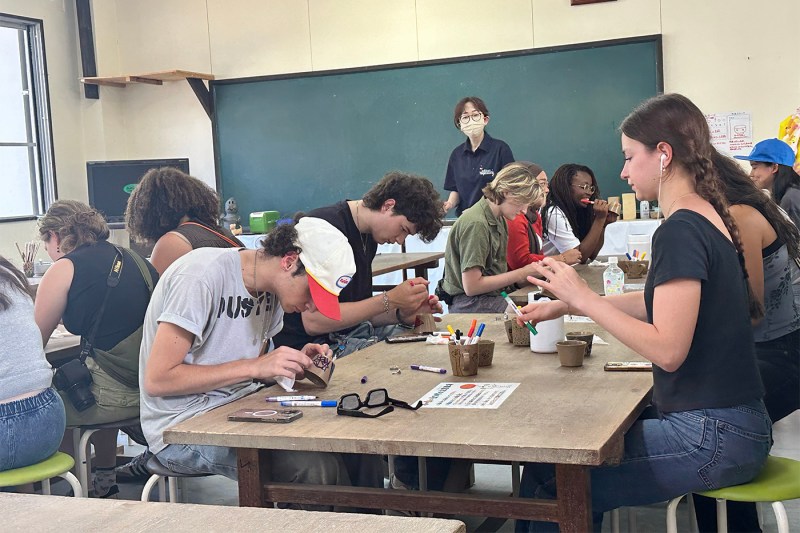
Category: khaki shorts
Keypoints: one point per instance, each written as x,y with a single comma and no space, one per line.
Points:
115,401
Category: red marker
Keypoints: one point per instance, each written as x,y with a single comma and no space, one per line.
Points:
586,201
411,281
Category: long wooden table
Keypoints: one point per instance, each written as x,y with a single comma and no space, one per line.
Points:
573,418
391,262
419,261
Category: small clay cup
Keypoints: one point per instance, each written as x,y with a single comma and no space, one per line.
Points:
321,370
485,352
517,335
634,269
586,336
464,359
570,353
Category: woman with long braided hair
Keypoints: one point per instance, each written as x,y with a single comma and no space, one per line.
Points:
692,321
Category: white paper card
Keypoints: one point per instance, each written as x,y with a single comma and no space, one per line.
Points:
468,395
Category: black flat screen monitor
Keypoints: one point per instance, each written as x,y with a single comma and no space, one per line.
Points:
111,183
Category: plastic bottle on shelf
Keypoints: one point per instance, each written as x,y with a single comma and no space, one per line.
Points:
644,209
613,278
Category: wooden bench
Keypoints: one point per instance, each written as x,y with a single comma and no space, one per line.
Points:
28,512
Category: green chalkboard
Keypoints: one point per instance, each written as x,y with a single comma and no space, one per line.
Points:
297,142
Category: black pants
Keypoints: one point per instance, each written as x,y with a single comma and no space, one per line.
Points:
779,365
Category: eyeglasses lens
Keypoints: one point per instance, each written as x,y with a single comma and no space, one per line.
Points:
350,402
376,398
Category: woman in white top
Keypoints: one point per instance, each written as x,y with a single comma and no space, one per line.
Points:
32,418
569,221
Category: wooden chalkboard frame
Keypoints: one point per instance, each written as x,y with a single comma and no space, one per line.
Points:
655,39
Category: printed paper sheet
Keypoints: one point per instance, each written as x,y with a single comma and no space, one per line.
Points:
468,395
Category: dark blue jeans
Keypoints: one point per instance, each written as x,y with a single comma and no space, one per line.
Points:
667,456
31,429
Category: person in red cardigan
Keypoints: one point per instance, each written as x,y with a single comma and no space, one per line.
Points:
525,231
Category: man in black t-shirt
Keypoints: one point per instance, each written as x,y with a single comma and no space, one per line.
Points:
397,206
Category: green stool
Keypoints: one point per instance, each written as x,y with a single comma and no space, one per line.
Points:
778,481
57,465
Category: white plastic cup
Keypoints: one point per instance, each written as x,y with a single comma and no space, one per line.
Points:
640,243
550,331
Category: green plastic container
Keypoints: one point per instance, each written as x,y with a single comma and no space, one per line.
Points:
263,221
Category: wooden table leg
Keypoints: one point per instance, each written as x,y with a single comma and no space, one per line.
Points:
253,466
421,271
574,498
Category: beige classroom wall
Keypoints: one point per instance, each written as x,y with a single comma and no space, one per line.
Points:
713,53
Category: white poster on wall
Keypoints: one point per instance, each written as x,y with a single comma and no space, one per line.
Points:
731,133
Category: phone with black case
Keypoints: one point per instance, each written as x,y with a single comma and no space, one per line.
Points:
269,416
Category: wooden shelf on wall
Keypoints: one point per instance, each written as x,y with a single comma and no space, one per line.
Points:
195,80
152,78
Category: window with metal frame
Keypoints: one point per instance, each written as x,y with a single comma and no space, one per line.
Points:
26,146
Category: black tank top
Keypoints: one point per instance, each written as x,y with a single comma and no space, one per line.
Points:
127,302
201,236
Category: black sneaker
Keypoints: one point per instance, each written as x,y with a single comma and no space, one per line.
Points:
135,471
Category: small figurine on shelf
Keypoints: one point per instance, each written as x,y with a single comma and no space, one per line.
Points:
231,219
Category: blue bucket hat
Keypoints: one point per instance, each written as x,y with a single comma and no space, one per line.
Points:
770,151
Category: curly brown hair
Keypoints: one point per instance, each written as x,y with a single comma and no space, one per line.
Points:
415,198
15,279
75,223
163,197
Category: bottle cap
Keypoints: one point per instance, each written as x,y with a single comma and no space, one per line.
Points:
612,260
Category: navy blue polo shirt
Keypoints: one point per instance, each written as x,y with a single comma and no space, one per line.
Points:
468,172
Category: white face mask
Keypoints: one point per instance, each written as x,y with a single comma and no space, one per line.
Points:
472,128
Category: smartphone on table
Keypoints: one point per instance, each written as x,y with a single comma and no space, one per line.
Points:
270,416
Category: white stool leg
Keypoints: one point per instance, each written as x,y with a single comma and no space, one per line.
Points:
672,514
614,520
780,517
632,519
173,489
84,462
693,527
148,487
516,476
77,489
46,487
162,489
722,516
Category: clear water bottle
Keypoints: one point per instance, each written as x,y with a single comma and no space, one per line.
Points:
613,278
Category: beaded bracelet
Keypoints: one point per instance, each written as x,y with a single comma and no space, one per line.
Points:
385,302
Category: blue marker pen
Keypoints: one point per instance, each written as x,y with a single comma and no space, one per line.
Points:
310,403
478,334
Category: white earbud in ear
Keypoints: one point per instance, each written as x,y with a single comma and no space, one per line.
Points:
663,157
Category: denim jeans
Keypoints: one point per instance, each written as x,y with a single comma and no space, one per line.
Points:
667,456
363,336
286,466
31,429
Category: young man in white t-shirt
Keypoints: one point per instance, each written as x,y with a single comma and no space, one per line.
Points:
204,336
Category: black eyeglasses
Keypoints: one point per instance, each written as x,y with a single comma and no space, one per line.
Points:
350,404
476,117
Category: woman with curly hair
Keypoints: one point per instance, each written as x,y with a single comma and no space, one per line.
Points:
74,290
178,213
570,221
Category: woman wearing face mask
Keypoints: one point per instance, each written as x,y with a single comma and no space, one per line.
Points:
771,168
475,163
570,221
525,231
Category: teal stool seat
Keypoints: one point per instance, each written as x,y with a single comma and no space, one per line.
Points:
778,481
57,465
